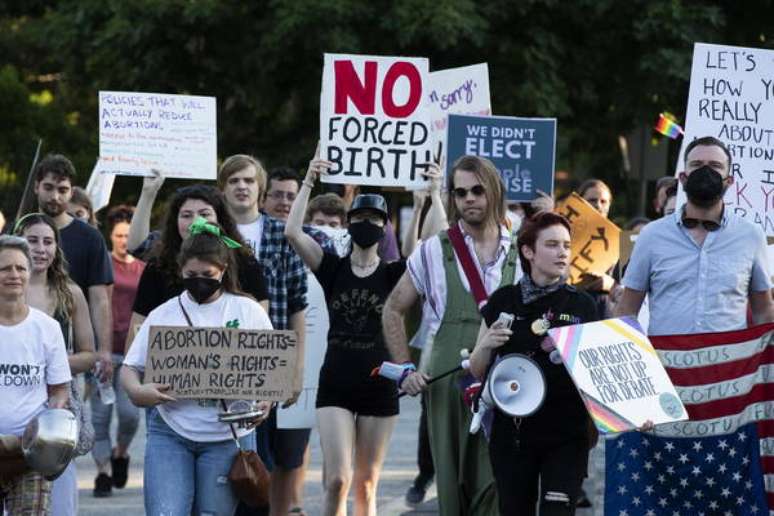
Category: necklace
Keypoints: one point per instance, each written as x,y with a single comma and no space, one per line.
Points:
367,265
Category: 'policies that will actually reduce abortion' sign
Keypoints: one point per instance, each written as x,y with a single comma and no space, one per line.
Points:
731,97
522,149
225,363
374,120
618,374
175,134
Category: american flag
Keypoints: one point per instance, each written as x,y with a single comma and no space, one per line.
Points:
721,462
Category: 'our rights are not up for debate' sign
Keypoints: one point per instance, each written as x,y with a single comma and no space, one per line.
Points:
176,134
374,120
522,149
731,97
222,363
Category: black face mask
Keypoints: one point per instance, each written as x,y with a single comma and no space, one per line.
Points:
704,187
365,234
201,289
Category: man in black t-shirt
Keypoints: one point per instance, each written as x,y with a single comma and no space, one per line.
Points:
87,255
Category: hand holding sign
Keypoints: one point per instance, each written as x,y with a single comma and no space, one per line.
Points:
151,394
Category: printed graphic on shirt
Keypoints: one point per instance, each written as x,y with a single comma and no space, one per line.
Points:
356,307
19,375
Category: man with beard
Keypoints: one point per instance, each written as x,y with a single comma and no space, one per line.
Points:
88,260
477,250
701,265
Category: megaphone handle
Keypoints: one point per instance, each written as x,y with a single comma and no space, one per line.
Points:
436,378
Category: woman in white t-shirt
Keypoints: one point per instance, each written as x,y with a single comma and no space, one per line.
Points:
34,372
188,452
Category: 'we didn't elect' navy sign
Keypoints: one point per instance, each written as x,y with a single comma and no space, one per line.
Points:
522,149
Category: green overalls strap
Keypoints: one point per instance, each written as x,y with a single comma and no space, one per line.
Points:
463,471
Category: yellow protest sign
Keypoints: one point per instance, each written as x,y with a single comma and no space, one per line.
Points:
595,240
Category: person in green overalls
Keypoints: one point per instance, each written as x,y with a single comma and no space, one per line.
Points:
435,273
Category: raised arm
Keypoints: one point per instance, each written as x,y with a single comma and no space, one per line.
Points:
412,235
306,247
436,220
139,229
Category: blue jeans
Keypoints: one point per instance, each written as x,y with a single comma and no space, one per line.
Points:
184,477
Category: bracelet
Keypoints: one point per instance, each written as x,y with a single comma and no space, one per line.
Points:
408,368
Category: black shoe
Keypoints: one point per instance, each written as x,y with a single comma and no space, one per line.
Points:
103,486
416,492
120,466
583,501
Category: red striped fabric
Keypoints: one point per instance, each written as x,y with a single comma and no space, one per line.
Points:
716,385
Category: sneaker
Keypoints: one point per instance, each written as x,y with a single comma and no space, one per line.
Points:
583,501
416,493
120,467
103,486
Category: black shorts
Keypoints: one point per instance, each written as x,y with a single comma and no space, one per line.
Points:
286,445
354,389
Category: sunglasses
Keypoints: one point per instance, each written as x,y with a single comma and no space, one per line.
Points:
461,193
709,225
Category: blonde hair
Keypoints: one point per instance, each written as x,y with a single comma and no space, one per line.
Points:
489,178
237,162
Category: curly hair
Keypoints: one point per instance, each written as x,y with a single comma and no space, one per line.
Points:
57,279
165,251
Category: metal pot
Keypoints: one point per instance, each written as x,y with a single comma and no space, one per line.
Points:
49,442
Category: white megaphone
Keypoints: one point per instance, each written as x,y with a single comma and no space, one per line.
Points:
515,385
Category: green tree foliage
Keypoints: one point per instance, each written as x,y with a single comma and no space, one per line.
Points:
603,67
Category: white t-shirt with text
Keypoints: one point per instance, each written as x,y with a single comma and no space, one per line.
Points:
32,357
187,417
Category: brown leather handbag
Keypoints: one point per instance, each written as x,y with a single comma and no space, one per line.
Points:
248,476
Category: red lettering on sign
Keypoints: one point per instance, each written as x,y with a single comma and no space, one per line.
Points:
349,86
397,70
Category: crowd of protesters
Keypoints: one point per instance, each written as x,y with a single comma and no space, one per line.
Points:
80,310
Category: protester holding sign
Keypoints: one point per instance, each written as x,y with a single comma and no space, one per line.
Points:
550,447
35,372
700,266
160,279
454,272
53,292
352,405
185,440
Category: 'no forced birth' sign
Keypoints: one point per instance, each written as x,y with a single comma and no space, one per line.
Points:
522,149
375,120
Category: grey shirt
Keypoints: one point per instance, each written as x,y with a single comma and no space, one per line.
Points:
694,289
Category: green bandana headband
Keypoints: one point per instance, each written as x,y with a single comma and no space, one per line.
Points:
200,225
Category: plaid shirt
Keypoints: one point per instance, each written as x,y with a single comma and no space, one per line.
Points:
284,271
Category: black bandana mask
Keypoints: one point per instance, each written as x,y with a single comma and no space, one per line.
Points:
365,234
201,289
704,187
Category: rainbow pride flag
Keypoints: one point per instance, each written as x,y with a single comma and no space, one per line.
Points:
668,127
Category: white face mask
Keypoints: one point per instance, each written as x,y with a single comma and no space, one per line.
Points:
515,219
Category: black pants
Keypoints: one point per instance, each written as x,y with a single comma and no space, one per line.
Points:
424,453
521,468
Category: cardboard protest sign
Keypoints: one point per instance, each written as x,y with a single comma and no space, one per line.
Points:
458,91
595,240
176,134
302,413
522,149
227,363
374,120
618,374
731,97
